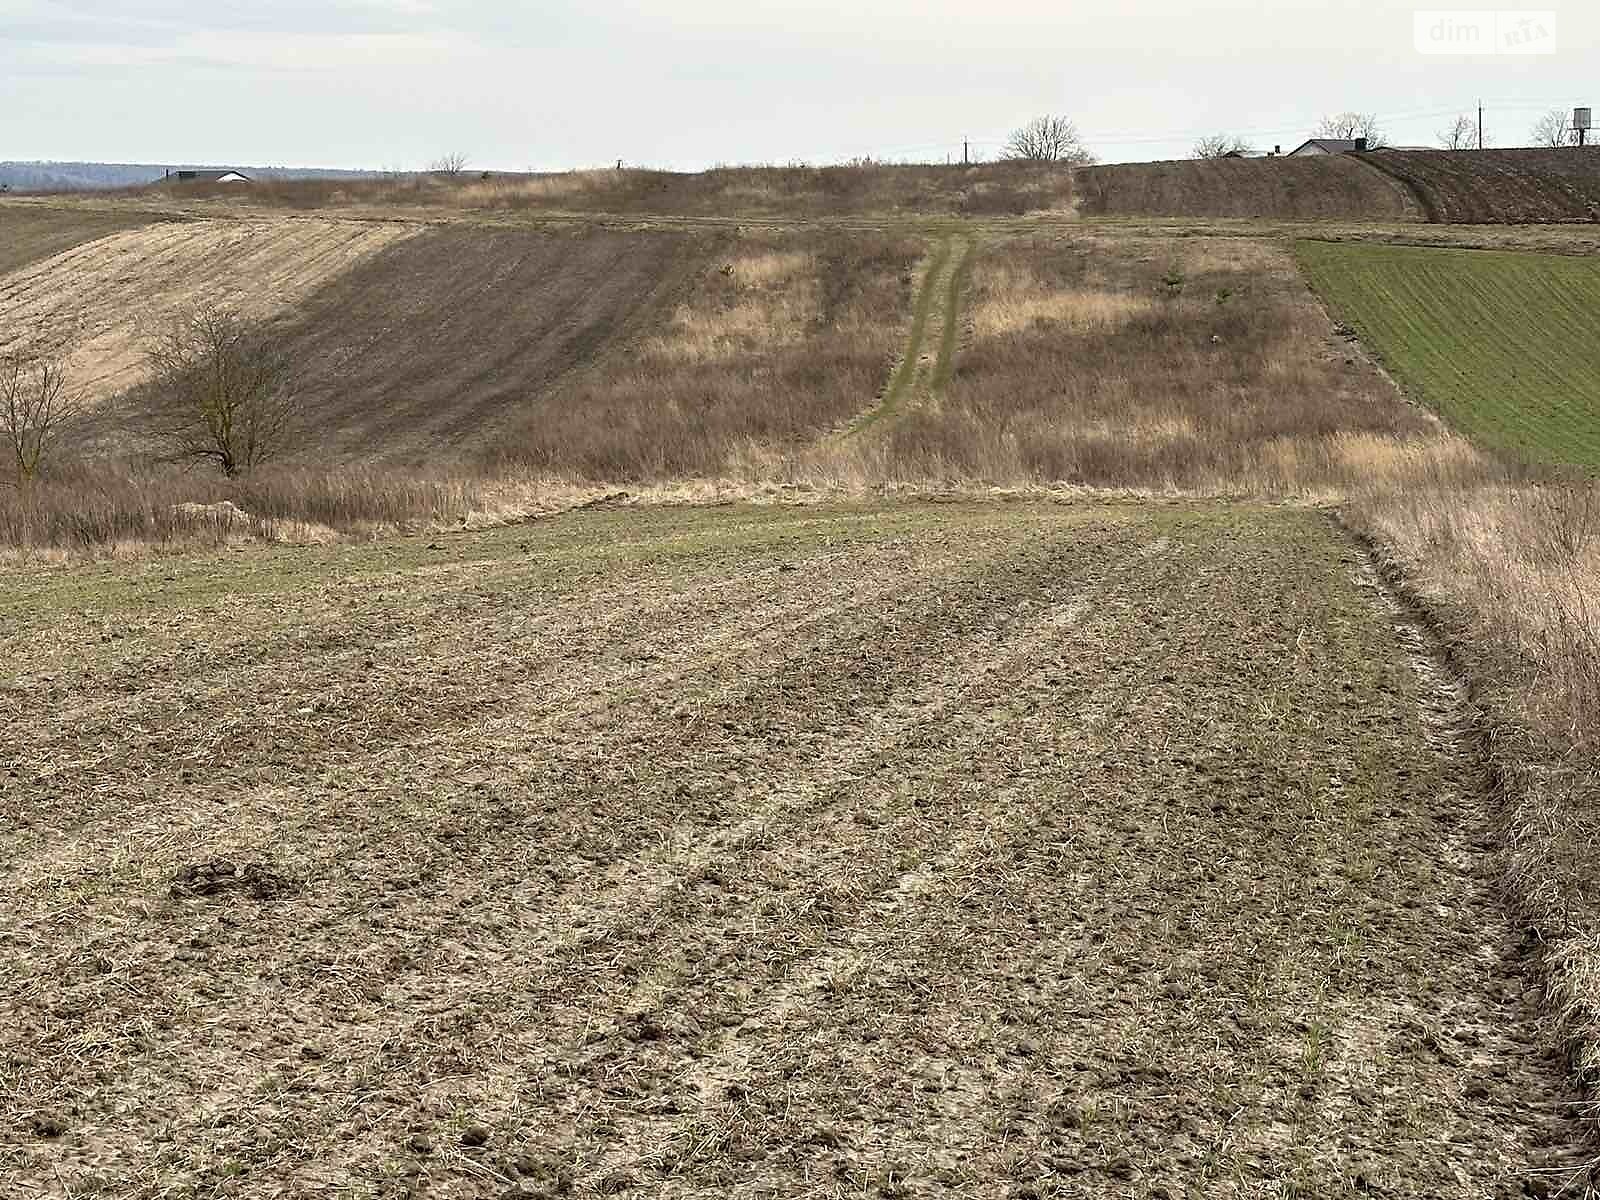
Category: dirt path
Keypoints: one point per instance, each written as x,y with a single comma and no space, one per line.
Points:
948,850
99,301
925,366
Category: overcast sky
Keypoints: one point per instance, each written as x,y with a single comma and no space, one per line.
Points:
564,83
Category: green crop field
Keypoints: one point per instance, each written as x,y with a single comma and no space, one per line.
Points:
1503,345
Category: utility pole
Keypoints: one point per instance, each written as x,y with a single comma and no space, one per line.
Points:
1480,124
966,153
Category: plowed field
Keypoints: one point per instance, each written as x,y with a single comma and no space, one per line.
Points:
432,346
975,850
101,301
29,233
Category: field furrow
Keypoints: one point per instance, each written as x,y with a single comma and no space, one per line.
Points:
949,849
99,303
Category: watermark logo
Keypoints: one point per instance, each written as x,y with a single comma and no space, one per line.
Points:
1469,32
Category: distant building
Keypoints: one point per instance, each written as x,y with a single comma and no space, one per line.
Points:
209,177
1330,146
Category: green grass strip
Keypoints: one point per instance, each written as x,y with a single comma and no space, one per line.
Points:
959,279
906,372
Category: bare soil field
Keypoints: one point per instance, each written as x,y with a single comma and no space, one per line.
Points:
28,234
980,850
1328,188
100,301
432,347
1495,186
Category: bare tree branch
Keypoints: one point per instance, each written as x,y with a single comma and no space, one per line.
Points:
1554,130
221,391
1460,134
1221,145
36,408
1348,126
1048,140
451,164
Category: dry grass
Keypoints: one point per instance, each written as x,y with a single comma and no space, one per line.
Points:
793,191
105,507
1511,574
1014,298
1522,563
1188,365
793,341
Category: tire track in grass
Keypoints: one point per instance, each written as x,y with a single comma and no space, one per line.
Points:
950,340
914,364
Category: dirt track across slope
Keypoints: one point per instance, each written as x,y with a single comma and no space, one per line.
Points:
944,850
101,300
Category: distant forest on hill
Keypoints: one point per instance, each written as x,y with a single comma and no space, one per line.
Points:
87,176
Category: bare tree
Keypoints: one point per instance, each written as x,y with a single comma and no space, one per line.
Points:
1221,146
221,393
1460,134
1047,140
36,407
1348,126
451,164
1554,130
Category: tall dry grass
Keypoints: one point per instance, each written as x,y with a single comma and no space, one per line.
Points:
785,339
1510,574
794,190
1518,567
1189,365
101,506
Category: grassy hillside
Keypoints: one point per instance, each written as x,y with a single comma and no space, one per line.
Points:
1202,364
786,339
29,233
1501,344
799,191
899,850
1340,188
1510,186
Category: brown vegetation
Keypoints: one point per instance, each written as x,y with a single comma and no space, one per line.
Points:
100,508
764,354
1339,187
1491,186
1187,364
793,192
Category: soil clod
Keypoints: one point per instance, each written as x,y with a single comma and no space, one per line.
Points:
220,877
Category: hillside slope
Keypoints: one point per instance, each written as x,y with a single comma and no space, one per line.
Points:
99,302
430,346
29,234
1495,186
1340,188
798,191
1499,343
